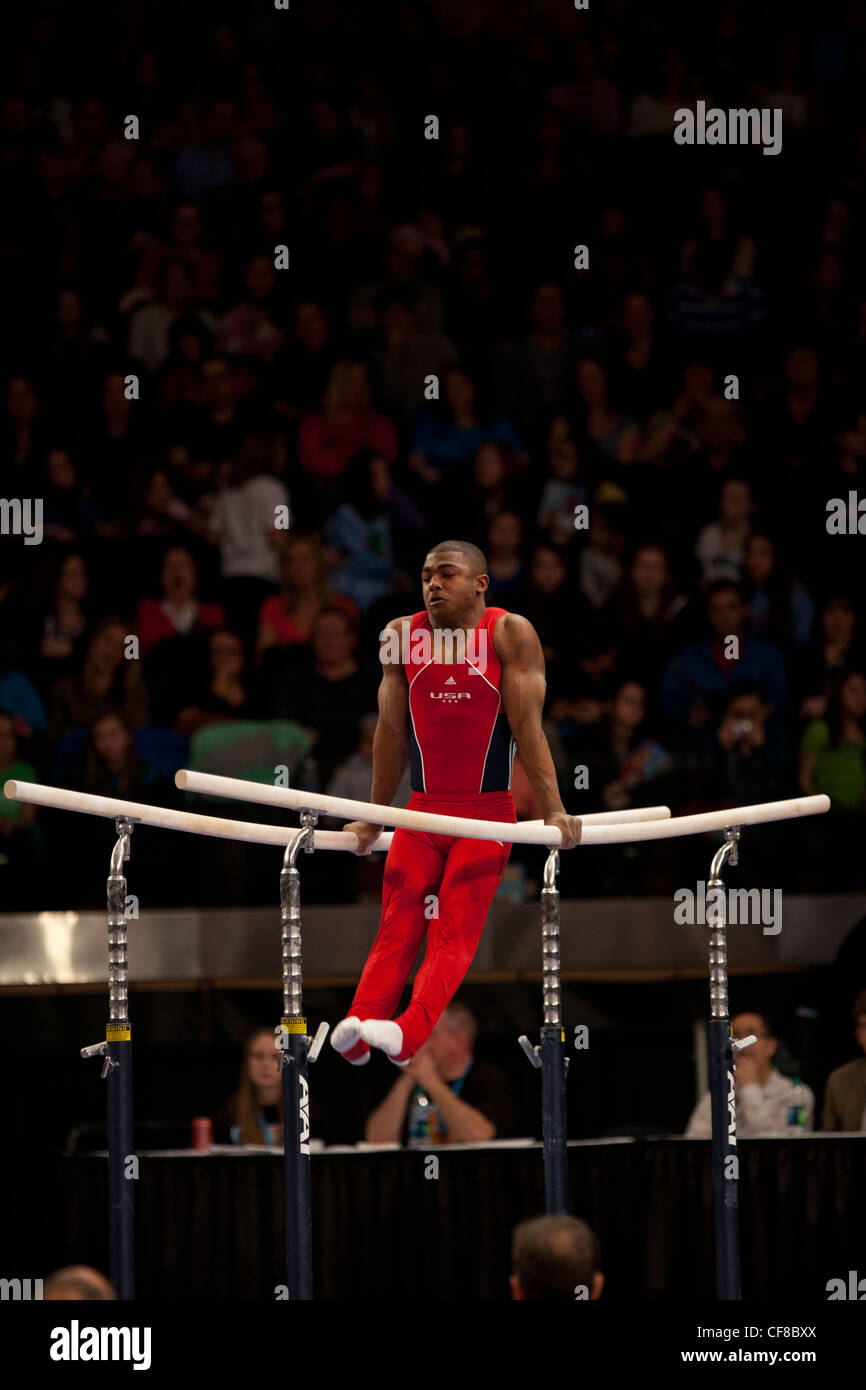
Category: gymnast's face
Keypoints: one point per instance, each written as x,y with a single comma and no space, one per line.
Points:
450,589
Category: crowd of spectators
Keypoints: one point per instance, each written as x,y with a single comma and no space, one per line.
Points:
245,312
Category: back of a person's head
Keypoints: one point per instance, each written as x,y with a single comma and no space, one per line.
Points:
77,1282
554,1258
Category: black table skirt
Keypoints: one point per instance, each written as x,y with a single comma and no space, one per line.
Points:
211,1226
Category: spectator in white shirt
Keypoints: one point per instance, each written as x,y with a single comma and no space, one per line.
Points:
763,1093
250,517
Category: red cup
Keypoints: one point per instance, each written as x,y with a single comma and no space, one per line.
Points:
202,1134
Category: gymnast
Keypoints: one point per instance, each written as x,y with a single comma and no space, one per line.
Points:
465,692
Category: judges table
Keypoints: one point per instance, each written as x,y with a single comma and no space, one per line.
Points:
388,1226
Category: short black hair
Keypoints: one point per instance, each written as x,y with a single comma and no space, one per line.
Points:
769,1030
552,1255
472,554
721,586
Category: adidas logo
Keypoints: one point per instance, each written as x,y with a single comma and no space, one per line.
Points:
451,681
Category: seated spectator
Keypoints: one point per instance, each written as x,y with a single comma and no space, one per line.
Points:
160,514
112,767
286,619
652,110
249,328
833,749
254,1114
845,1093
622,759
492,488
780,609
65,621
453,433
748,760
179,611
303,368
505,564
184,244
698,678
214,432
404,253
105,683
327,688
362,531
13,814
711,306
226,691
537,371
763,1093
405,357
182,379
639,374
549,602
607,434
600,562
22,847
353,777
19,697
445,1095
720,547
68,515
347,423
644,613
150,325
564,489
247,520
673,435
585,679
555,1259
836,647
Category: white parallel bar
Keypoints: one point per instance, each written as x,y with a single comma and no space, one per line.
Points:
236,789
708,820
524,832
166,819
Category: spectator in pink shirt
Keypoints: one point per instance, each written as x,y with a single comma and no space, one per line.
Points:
179,610
346,424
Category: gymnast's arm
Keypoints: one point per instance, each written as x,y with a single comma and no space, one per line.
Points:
523,688
391,739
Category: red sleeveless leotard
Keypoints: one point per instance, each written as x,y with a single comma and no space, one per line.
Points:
459,740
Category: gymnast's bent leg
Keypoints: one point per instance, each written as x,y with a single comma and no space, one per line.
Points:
473,872
413,871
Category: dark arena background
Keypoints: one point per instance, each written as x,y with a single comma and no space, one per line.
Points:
292,295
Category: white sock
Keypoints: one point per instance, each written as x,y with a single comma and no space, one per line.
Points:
346,1034
384,1033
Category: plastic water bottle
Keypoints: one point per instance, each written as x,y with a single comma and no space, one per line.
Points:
796,1122
419,1120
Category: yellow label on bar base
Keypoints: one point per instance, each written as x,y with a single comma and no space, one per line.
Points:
118,1032
293,1025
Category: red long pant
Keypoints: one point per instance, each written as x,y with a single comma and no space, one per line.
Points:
462,875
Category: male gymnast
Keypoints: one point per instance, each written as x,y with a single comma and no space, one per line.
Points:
462,689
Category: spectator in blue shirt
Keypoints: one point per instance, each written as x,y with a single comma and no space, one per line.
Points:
698,680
